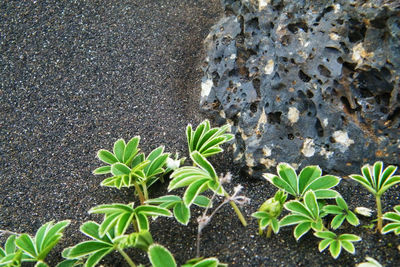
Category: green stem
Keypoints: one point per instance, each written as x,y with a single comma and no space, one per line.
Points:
140,193
379,209
269,231
126,257
237,210
145,192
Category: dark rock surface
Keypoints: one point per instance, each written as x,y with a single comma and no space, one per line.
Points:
307,83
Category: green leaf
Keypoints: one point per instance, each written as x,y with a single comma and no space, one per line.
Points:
194,190
333,209
41,264
297,207
153,211
352,218
202,201
349,237
301,229
364,182
326,193
292,219
142,221
87,248
119,149
203,163
275,225
26,243
281,184
91,229
288,174
323,182
182,213
324,244
378,166
325,235
197,134
131,150
311,203
102,170
160,257
106,156
335,248
9,246
337,221
210,262
307,175
96,257
68,263
120,169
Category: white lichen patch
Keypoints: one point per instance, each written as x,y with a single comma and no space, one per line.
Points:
334,36
267,151
269,68
233,56
326,153
206,88
222,114
336,8
325,122
263,4
238,157
249,160
308,149
261,121
342,138
268,163
293,115
244,136
359,53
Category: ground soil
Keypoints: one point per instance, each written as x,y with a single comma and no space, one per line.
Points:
75,76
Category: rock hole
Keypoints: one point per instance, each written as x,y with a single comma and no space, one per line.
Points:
285,40
339,60
215,78
218,60
318,127
253,23
394,114
278,86
346,105
233,73
292,61
256,84
324,71
326,10
304,77
344,47
290,136
310,94
254,107
332,50
274,117
226,40
373,81
357,30
379,22
267,105
344,120
294,27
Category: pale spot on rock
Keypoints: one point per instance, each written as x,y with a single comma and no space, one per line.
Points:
343,139
293,115
308,149
269,68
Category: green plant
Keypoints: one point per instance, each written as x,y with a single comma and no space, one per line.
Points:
160,257
24,248
377,181
341,212
371,262
180,210
394,217
101,245
269,212
309,179
198,179
306,215
207,140
336,242
130,168
10,255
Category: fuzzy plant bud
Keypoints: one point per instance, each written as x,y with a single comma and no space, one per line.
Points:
226,179
363,211
272,206
173,164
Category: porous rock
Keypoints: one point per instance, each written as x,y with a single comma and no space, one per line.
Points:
307,82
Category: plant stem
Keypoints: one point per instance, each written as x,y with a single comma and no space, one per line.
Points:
379,209
126,257
269,231
140,193
145,192
237,210
7,232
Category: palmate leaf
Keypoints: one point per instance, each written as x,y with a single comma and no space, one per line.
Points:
265,220
10,255
305,214
309,179
157,160
375,179
160,256
207,140
336,243
394,218
342,212
47,236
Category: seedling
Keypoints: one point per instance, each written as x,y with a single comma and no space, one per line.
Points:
130,168
394,217
25,248
377,181
306,215
341,212
269,212
309,179
336,243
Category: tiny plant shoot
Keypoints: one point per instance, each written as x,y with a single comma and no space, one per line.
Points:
377,180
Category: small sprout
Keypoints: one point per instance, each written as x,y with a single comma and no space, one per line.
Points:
341,212
366,212
394,217
269,212
309,179
336,243
377,180
306,215
371,262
